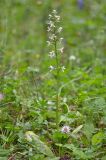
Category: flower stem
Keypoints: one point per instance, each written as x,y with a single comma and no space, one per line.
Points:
57,78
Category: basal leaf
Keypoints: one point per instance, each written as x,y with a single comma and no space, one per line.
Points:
38,144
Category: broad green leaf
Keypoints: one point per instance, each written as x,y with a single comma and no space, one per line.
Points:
88,130
97,138
38,144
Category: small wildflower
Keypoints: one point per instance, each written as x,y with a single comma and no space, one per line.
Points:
49,22
63,68
61,39
54,11
65,129
1,96
48,29
60,29
51,54
72,57
61,49
51,68
57,18
50,16
52,37
52,25
48,43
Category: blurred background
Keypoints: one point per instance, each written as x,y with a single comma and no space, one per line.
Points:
23,36
23,29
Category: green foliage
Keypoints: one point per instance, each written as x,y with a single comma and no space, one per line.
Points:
4,153
79,154
39,145
29,89
98,138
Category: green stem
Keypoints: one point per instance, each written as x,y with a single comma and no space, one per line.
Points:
57,95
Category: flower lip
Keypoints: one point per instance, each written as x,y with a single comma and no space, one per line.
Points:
54,11
48,43
51,54
51,68
60,29
61,49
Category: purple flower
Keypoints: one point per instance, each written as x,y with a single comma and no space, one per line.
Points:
80,4
1,96
65,129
